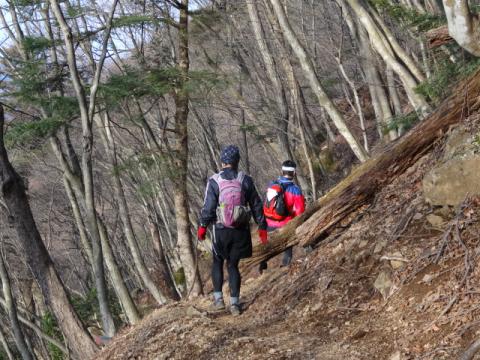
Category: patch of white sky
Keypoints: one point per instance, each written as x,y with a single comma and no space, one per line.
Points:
121,37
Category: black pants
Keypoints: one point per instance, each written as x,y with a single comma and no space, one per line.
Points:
234,277
287,255
230,245
286,260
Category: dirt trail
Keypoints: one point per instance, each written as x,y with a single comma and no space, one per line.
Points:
325,306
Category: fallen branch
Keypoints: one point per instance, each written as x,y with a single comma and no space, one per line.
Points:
471,351
394,258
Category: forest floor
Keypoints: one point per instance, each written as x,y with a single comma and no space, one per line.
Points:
399,282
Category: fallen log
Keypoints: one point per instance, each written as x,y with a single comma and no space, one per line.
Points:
360,187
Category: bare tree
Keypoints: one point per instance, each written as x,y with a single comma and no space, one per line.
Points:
312,78
87,110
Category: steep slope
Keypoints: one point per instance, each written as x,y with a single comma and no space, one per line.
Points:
396,278
388,284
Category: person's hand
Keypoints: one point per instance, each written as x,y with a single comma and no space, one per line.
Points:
201,233
262,234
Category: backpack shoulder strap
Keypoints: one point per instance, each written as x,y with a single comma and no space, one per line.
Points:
283,186
217,178
240,176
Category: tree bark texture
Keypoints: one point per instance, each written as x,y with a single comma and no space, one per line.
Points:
463,25
13,191
6,347
184,236
12,312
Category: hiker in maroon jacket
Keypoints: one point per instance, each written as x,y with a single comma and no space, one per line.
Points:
230,197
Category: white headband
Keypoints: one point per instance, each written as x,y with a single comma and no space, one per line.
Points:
288,168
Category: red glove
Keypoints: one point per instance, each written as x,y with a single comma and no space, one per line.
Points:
263,236
201,233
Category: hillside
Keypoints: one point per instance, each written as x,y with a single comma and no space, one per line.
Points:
398,282
115,114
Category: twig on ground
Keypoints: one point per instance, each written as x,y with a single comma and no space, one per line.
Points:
402,225
445,239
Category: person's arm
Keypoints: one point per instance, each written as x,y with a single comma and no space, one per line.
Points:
298,202
255,203
208,214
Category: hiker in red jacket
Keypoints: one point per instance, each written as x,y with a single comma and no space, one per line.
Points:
230,198
284,201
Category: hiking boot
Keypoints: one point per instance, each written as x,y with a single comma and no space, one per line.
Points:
218,305
235,310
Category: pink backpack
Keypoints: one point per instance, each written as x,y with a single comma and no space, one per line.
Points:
231,210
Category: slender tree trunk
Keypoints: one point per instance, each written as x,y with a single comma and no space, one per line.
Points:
244,129
278,90
381,45
78,220
121,290
110,148
6,347
309,70
74,183
40,333
86,115
392,90
12,312
79,341
168,282
368,60
184,236
391,41
356,98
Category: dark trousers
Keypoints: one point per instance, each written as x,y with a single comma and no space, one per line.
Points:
234,277
286,260
229,245
287,255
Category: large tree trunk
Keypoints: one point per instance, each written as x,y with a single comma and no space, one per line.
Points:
12,312
13,191
309,70
184,235
463,25
361,186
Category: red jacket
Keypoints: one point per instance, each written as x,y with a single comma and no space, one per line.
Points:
294,200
